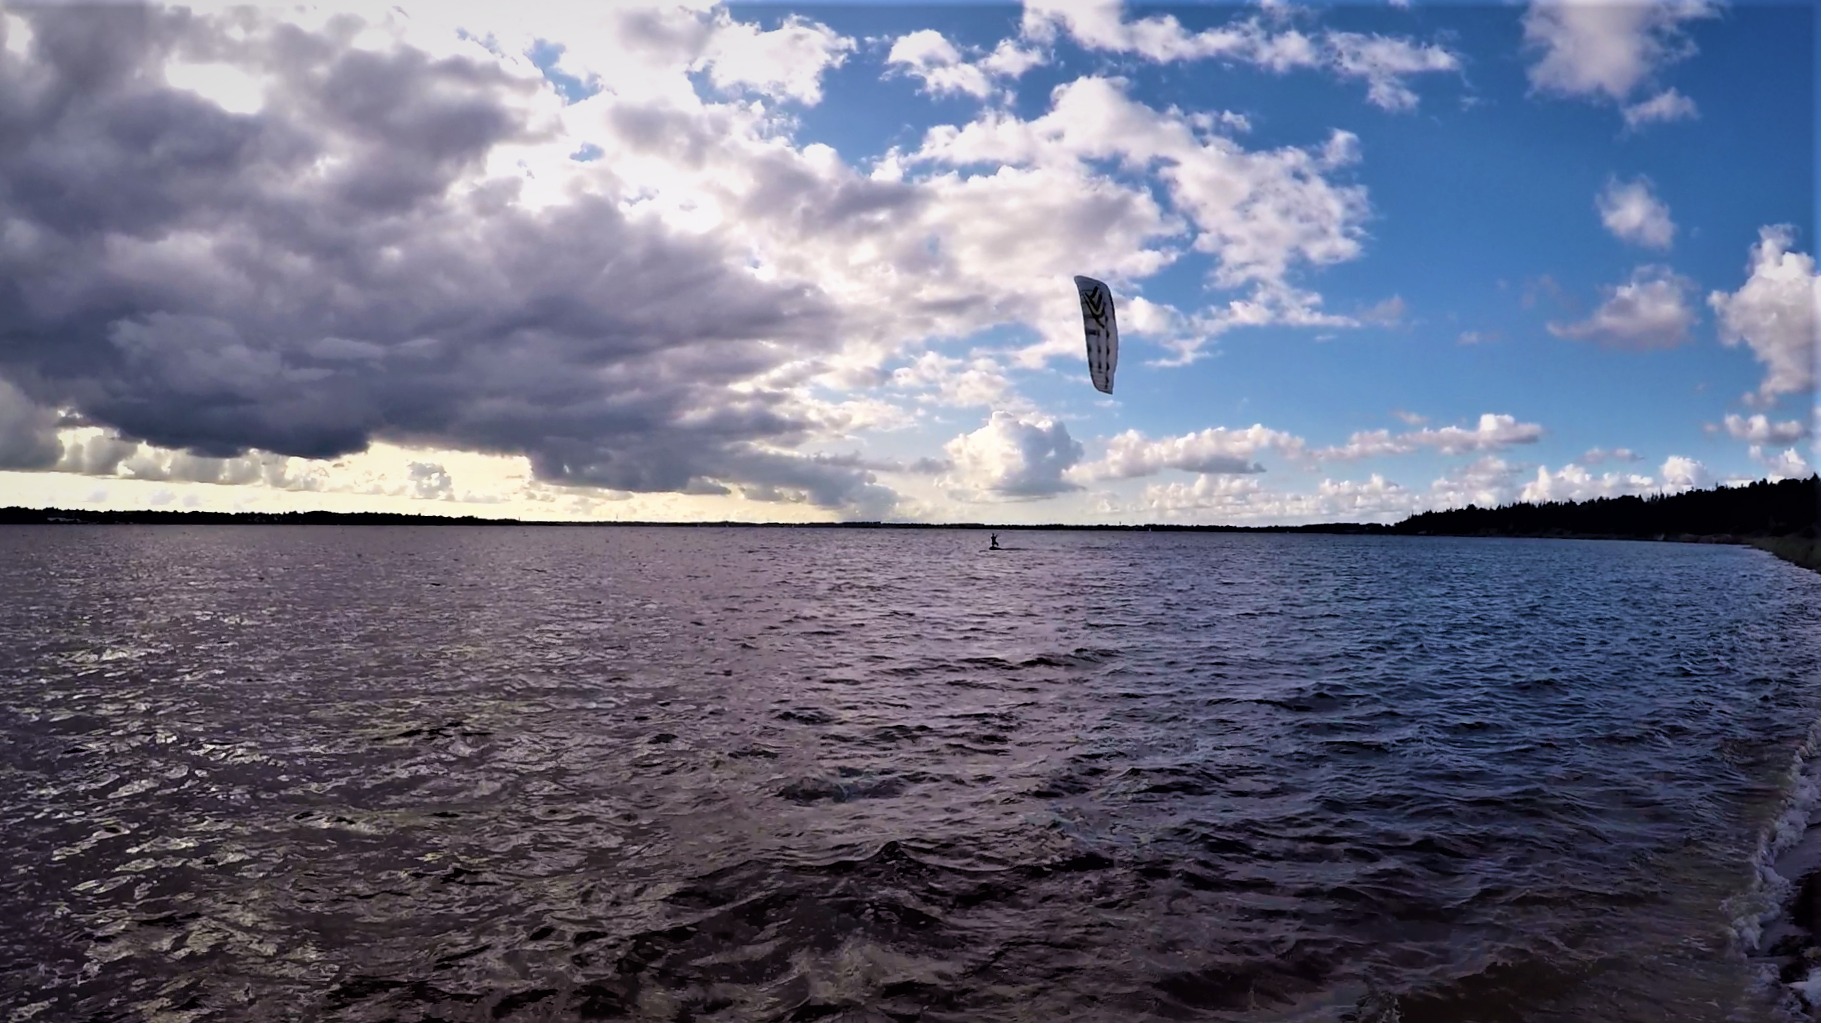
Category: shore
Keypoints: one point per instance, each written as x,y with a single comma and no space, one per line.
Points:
1793,943
1799,549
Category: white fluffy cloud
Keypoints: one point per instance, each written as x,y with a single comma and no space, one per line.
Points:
1241,499
1494,432
1668,105
1782,465
1488,482
1681,473
1574,483
1774,313
1649,311
979,380
928,55
1215,450
1610,48
786,62
1011,457
1759,429
1102,25
1633,213
1260,214
1384,63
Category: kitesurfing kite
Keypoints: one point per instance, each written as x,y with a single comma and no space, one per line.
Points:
1102,331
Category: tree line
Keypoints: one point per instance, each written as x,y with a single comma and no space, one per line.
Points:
1761,509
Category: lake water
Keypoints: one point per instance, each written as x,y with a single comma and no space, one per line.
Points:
363,774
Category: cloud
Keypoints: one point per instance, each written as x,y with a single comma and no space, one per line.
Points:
93,451
1547,288
1215,450
1010,60
1774,313
1607,48
1267,305
1235,498
399,477
976,381
1101,25
1257,212
1242,499
1647,312
1494,432
28,433
929,56
1678,474
431,482
787,62
1487,482
1595,456
388,471
1633,213
1668,105
399,247
1783,465
1261,215
1387,313
1575,483
1759,429
1682,474
1013,456
1384,63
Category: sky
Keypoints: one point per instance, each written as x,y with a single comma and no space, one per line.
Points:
781,262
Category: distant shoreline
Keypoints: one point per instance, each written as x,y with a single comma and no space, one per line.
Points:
77,517
1776,517
63,516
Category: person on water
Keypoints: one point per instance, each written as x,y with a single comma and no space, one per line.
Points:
995,545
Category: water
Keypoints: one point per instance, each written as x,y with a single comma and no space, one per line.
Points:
374,774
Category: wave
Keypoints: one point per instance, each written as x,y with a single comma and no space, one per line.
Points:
1767,921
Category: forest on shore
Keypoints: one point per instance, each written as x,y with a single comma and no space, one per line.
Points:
1757,509
1778,517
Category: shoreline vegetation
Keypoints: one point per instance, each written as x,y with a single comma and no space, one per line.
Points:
1780,518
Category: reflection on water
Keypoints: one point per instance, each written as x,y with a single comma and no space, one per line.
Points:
718,774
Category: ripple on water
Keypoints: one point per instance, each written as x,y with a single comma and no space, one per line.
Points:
526,774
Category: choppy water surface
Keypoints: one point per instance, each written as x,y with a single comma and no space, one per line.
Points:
721,774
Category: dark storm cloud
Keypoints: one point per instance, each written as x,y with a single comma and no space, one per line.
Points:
28,434
324,272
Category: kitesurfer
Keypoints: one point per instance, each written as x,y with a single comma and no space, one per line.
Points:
995,546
